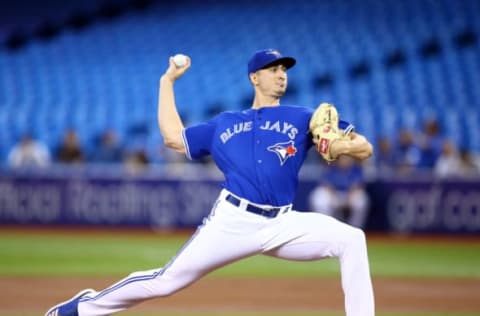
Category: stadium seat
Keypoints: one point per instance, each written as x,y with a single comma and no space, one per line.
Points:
407,58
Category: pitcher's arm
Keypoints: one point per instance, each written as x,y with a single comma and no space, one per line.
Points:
357,146
169,121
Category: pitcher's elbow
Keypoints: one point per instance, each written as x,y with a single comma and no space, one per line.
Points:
169,142
174,144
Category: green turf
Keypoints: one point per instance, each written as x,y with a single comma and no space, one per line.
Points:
435,259
82,254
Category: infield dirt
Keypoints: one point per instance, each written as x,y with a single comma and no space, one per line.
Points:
213,294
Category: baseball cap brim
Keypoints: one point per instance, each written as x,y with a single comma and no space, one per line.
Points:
288,62
269,57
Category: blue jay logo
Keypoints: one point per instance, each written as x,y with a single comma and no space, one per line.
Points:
274,52
284,150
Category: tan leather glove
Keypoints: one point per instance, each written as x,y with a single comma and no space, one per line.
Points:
324,128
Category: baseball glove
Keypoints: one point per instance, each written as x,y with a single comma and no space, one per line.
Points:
324,128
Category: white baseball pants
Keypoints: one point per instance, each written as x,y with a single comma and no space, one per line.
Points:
231,233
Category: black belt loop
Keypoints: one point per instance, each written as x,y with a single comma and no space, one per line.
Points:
270,213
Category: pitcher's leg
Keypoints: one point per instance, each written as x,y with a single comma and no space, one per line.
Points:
314,236
204,252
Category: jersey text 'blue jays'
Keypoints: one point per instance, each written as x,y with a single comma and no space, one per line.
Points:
260,151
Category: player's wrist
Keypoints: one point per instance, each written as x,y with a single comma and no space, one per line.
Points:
166,78
339,147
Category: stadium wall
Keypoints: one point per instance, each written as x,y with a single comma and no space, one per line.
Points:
161,202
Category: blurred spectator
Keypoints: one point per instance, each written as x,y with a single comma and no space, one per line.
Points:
136,161
448,163
468,166
29,153
407,153
342,194
70,150
384,156
108,149
430,143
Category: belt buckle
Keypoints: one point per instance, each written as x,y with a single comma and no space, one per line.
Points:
271,212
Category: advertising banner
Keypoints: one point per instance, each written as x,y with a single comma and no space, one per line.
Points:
425,206
96,201
399,206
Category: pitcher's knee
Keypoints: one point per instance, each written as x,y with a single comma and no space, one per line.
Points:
161,287
356,237
166,285
166,291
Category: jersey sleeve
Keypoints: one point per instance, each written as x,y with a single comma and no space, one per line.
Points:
346,126
309,112
198,139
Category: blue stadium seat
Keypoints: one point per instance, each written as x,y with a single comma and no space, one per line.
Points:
107,74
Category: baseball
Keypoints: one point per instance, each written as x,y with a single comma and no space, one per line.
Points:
180,60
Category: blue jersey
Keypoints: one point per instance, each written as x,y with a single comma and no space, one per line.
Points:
259,151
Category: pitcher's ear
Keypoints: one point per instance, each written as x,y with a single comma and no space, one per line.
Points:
253,78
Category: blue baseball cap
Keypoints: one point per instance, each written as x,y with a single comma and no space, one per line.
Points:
269,57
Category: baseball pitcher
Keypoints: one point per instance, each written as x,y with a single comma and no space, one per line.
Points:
260,151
